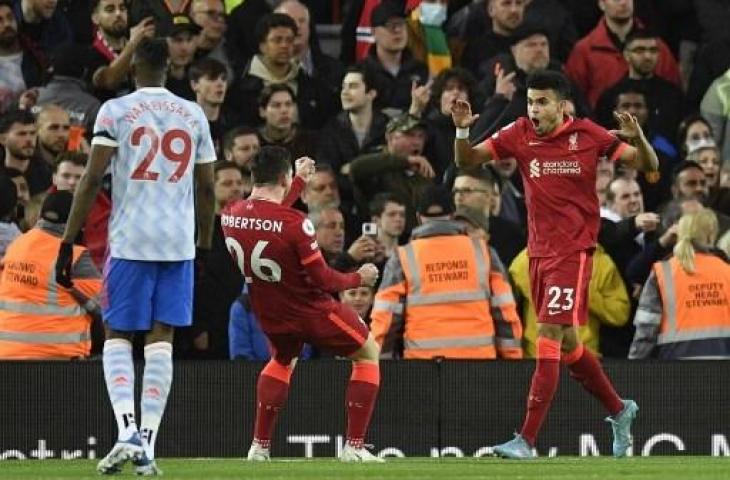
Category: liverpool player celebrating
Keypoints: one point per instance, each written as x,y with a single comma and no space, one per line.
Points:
289,286
557,156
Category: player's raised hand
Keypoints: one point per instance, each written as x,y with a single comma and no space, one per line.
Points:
368,275
304,168
461,114
629,128
64,265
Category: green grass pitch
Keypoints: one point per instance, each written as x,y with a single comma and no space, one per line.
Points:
559,468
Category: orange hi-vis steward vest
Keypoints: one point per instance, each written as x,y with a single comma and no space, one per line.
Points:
38,318
450,295
696,307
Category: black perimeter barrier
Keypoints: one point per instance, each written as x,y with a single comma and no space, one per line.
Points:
425,408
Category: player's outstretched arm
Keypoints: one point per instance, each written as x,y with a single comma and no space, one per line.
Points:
205,199
87,190
640,155
465,155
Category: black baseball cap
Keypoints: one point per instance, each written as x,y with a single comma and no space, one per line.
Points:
57,206
435,201
183,23
386,10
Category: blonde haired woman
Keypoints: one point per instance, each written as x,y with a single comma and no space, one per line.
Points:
684,309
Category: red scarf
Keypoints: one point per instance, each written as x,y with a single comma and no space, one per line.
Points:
100,45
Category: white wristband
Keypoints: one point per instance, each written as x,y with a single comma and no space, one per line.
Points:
462,133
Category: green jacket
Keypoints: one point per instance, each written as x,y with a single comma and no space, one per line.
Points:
382,172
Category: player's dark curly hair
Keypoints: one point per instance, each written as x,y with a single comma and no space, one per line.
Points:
550,80
269,164
152,54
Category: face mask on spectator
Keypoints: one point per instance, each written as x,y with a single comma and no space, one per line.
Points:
433,14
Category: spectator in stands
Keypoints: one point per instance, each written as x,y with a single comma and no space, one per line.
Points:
110,55
36,312
21,187
278,108
493,38
388,213
275,64
450,85
655,186
162,11
329,225
358,130
67,87
666,99
693,129
53,129
18,134
596,62
684,310
360,299
505,76
242,25
391,61
707,155
426,37
315,66
208,80
240,144
512,197
21,66
9,230
210,16
42,24
69,168
446,294
321,191
715,108
181,44
608,302
400,168
228,184
480,189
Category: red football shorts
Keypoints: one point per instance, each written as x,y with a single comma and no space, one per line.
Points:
341,331
559,288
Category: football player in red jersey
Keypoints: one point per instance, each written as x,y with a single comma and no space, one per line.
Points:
290,288
558,156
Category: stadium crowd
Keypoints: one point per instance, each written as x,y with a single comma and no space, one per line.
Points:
377,121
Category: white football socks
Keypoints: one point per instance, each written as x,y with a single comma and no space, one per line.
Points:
155,389
119,376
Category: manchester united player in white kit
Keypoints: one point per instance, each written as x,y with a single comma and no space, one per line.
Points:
158,148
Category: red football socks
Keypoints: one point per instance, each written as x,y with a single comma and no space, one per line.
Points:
542,390
584,367
360,400
272,391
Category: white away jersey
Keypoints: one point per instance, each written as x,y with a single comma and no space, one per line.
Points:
158,136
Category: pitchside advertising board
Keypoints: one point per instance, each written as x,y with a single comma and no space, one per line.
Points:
449,408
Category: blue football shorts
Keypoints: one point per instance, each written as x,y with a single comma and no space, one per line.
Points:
138,293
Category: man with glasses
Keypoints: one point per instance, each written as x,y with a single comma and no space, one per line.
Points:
210,16
479,189
391,61
641,52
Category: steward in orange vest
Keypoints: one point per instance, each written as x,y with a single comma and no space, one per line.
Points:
684,309
39,319
446,294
